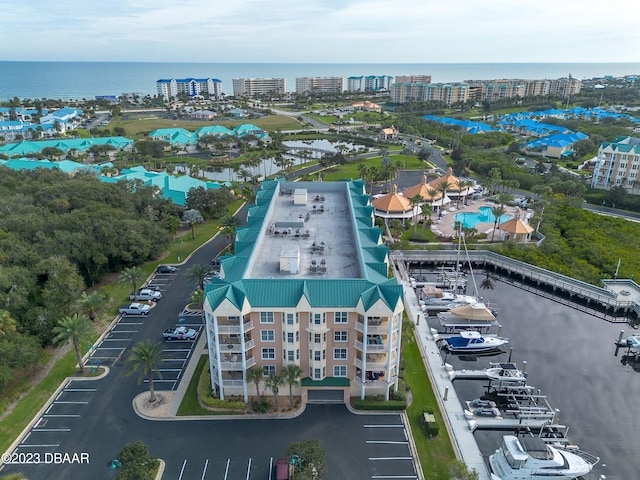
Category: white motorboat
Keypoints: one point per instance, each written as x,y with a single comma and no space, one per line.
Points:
471,316
505,372
470,341
530,457
447,301
633,342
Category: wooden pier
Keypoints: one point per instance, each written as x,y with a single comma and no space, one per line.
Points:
591,299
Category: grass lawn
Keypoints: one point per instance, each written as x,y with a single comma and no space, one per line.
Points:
150,122
350,170
190,405
436,453
12,425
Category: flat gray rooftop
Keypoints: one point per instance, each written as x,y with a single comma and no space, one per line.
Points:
308,233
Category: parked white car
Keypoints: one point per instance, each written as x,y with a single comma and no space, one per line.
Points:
145,294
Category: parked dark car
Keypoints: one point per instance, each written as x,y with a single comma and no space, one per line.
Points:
166,269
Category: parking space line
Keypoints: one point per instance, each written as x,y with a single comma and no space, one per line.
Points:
226,470
249,468
384,426
72,403
394,476
36,429
184,464
391,458
169,370
80,390
48,408
25,445
122,331
130,323
390,442
177,350
204,471
59,415
110,348
270,467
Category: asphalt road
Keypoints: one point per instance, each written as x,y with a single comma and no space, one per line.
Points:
96,418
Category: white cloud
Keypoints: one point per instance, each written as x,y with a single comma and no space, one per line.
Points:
421,31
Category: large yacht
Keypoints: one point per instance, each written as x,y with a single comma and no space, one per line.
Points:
520,458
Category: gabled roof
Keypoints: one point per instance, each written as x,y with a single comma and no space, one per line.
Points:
392,202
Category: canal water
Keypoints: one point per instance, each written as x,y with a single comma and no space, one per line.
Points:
570,358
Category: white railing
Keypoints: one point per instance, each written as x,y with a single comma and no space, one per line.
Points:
371,364
382,328
232,383
250,362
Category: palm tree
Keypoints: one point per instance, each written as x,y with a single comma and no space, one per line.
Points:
291,374
415,201
464,185
444,187
255,374
504,198
487,283
144,358
274,382
426,209
75,328
198,273
497,213
133,276
91,304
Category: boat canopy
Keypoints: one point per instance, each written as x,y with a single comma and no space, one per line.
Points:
473,311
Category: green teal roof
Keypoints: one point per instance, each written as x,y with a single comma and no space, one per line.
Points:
326,382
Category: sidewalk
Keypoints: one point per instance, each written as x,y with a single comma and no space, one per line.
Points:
199,349
461,435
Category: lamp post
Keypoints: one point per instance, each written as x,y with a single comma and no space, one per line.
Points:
296,459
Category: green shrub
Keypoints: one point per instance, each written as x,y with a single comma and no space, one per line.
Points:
260,405
207,400
373,404
137,462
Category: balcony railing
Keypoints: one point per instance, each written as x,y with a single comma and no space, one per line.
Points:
237,365
371,364
233,329
381,329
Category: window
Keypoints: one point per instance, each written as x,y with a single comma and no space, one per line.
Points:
319,318
290,355
316,338
289,318
324,353
316,355
297,354
268,354
339,370
341,317
316,374
339,353
297,336
266,317
289,337
268,370
268,335
340,336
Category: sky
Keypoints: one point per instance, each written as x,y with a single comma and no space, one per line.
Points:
321,31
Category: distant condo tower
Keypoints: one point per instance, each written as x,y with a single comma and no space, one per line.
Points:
413,79
250,87
171,88
369,83
319,84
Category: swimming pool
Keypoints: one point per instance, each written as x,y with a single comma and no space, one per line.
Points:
471,219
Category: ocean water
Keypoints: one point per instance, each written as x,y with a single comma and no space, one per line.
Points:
77,80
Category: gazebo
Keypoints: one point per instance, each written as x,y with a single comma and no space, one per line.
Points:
516,230
393,205
453,190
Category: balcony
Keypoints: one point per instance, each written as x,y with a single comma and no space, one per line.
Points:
234,347
232,362
233,328
374,327
371,364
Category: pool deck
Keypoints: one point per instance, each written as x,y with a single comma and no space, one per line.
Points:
444,226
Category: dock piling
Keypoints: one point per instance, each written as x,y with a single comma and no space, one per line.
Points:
619,343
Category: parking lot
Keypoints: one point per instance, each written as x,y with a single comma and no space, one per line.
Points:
60,418
218,468
176,357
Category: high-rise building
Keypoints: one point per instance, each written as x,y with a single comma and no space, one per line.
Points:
171,88
617,165
413,79
319,84
250,87
369,83
308,285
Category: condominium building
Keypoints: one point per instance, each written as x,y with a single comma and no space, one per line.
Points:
618,164
448,93
404,92
413,79
308,286
250,87
171,88
369,83
319,84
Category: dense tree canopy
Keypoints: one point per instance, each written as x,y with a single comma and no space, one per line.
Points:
59,234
